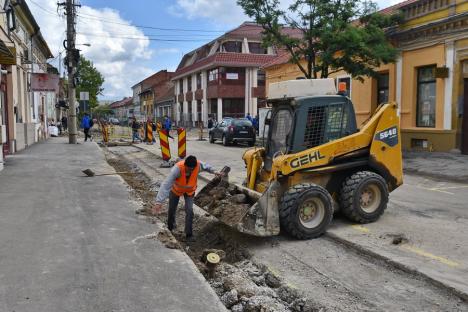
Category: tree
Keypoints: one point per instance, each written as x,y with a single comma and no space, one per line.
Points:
89,80
329,36
102,111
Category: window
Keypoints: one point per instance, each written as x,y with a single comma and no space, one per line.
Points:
199,81
213,75
181,86
189,83
382,88
346,80
233,46
260,78
426,98
325,124
256,48
213,108
233,108
241,123
281,127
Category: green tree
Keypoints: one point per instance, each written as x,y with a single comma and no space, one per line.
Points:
103,110
89,80
330,36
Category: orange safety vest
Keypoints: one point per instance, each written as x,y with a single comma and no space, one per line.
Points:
181,186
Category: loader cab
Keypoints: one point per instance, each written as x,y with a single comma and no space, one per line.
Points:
306,122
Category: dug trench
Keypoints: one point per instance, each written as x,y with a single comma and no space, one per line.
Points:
241,283
327,276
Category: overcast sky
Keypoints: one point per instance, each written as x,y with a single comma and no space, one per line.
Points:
122,50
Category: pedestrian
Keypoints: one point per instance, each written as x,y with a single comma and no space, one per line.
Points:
182,181
135,130
255,123
86,124
64,123
210,123
167,126
249,117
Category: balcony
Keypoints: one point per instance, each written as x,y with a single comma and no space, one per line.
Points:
189,96
199,94
225,91
258,92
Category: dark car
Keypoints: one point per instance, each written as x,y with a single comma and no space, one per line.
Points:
233,130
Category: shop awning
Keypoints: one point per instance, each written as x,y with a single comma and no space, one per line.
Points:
7,54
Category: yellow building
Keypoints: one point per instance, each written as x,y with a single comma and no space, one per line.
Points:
429,81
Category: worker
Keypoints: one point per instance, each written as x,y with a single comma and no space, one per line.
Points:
182,181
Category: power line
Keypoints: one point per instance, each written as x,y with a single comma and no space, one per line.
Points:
44,9
144,38
149,27
154,35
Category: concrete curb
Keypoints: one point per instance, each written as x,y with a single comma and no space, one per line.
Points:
435,176
396,264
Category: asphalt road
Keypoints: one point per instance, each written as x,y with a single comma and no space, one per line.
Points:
431,214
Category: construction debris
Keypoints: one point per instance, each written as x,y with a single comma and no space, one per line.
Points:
166,237
224,202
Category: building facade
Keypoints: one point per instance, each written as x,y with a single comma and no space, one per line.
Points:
23,51
222,78
121,109
428,81
149,91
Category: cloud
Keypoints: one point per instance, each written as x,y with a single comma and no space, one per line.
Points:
227,12
114,50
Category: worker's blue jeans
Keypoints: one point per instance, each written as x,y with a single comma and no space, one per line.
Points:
171,216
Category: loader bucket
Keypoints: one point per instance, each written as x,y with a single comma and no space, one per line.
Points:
241,208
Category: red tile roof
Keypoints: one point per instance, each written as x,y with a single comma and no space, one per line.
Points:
124,102
283,57
247,30
226,59
393,8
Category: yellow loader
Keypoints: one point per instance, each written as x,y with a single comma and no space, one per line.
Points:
315,162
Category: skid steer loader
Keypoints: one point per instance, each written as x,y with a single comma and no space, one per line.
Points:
315,162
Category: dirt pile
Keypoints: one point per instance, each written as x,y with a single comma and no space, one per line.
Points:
166,237
224,202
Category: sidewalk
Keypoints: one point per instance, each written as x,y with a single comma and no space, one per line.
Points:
71,243
445,166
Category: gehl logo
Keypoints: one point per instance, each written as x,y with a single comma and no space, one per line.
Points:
306,159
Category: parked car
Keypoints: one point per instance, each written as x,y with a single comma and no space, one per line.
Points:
114,121
233,130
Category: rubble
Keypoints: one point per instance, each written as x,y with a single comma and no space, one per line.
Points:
166,237
224,202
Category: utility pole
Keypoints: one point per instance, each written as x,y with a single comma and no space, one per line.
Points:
71,59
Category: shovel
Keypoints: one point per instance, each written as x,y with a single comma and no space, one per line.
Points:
90,173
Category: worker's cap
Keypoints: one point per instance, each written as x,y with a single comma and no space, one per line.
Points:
191,161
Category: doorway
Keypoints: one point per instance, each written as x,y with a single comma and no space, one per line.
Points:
4,114
464,138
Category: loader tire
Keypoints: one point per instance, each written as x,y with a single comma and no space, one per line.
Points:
306,211
364,197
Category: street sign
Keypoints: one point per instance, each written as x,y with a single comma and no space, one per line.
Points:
84,96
